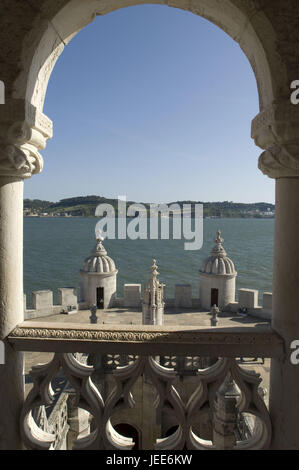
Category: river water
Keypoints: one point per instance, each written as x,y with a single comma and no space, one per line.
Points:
55,248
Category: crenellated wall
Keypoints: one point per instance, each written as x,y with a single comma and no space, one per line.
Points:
248,299
43,303
132,298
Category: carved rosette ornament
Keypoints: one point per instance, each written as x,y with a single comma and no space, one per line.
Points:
276,130
22,136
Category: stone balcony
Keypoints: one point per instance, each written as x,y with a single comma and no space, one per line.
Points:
209,408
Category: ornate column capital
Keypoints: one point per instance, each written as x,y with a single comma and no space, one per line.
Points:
23,132
276,130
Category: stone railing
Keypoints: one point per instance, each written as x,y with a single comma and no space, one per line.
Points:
182,365
224,395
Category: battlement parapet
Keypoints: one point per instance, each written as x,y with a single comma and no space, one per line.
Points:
43,305
132,298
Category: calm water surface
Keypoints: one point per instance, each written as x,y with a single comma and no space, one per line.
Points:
55,248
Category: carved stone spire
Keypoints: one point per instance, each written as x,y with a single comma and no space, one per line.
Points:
153,302
226,414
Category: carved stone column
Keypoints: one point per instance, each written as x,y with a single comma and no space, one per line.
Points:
23,132
277,131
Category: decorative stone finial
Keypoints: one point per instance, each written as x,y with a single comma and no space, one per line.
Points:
93,317
99,235
99,248
218,239
214,312
218,250
154,269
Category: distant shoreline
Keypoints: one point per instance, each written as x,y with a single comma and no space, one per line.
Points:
86,206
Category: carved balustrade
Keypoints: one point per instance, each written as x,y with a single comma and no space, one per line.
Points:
222,389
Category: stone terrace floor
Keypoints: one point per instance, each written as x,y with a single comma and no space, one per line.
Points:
123,316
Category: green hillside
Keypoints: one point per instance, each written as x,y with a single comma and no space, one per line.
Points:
85,206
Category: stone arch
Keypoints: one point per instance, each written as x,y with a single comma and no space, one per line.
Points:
55,28
128,429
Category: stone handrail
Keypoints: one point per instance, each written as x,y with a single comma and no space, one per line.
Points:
224,389
260,341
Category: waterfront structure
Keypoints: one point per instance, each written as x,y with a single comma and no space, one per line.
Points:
140,423
98,278
217,278
33,35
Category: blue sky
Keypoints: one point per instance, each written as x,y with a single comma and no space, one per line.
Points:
156,104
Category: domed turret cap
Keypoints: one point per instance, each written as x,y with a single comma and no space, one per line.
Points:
218,262
99,261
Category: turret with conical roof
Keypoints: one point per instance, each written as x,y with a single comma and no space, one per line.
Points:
218,262
217,278
98,261
98,278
